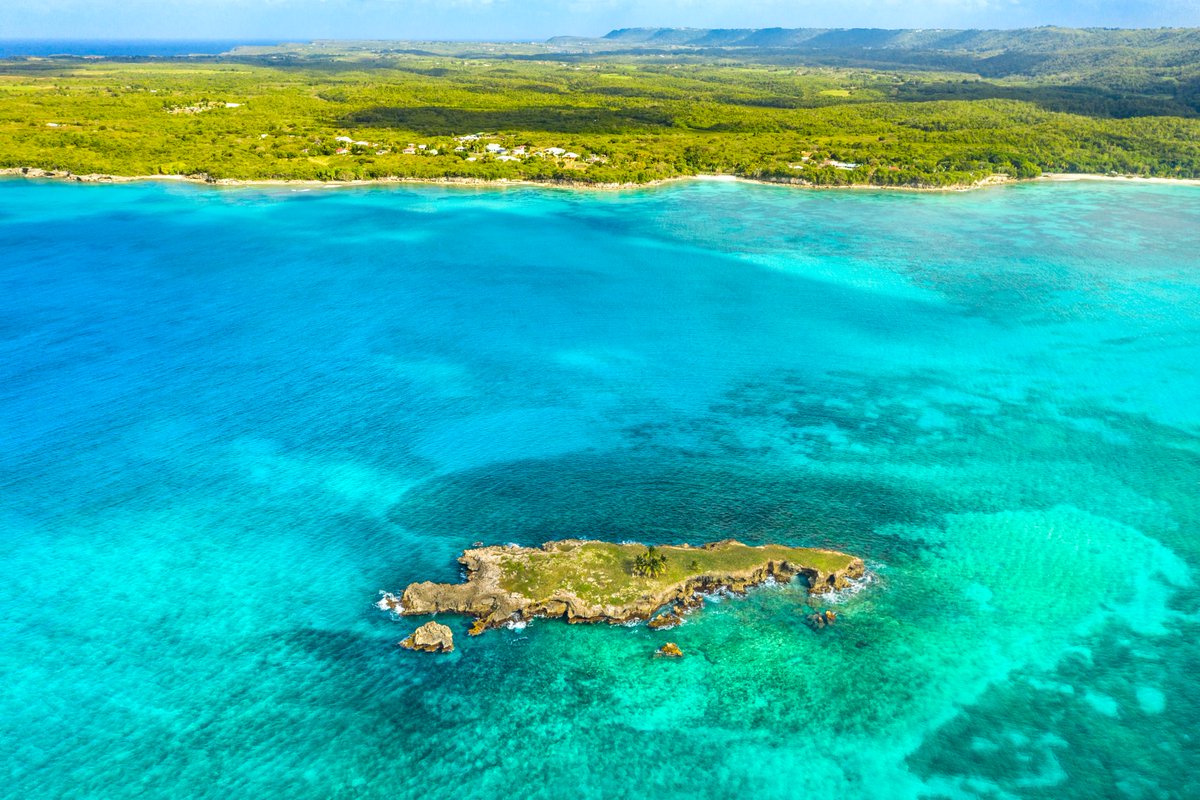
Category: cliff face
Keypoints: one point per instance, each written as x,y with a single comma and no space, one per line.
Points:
494,592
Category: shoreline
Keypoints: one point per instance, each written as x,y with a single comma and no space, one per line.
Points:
589,581
36,173
1074,177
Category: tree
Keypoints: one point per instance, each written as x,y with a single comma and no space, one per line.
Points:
650,564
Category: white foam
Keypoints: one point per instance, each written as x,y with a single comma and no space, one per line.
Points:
390,603
856,585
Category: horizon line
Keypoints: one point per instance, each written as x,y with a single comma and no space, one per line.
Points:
536,40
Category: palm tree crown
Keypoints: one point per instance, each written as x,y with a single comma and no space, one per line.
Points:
650,564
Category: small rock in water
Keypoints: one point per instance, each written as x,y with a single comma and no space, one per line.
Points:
389,602
665,622
820,620
432,637
670,650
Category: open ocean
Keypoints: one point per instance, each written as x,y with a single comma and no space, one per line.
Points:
230,417
120,48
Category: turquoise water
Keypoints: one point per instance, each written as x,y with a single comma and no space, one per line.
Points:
230,418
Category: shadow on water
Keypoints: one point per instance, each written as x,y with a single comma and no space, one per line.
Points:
654,499
818,479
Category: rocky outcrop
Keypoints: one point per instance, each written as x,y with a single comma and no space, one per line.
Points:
35,172
489,594
821,619
669,650
432,637
664,622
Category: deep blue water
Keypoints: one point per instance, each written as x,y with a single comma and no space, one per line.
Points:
120,48
230,417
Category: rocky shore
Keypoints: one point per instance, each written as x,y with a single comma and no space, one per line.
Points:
982,183
589,581
202,178
36,172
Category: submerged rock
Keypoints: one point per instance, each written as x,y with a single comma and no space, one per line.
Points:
432,637
389,602
821,619
670,650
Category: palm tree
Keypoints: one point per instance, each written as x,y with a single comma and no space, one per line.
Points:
650,564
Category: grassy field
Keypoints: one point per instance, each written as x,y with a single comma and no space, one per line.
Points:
630,117
602,572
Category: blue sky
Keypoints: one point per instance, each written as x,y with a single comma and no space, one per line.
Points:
538,19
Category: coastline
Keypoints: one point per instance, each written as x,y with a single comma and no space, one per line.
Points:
589,581
65,175
36,173
1073,177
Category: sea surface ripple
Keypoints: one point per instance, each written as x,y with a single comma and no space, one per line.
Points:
230,417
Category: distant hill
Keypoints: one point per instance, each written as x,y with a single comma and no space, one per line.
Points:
1031,52
1042,40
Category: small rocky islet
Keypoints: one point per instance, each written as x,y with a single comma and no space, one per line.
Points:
432,637
586,581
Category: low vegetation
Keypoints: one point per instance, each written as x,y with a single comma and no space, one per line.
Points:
602,572
615,111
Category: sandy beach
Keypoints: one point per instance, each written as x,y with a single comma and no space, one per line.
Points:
1071,177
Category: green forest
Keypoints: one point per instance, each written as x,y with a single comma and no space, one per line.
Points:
630,108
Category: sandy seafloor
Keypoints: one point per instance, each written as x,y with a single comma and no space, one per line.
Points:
230,417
